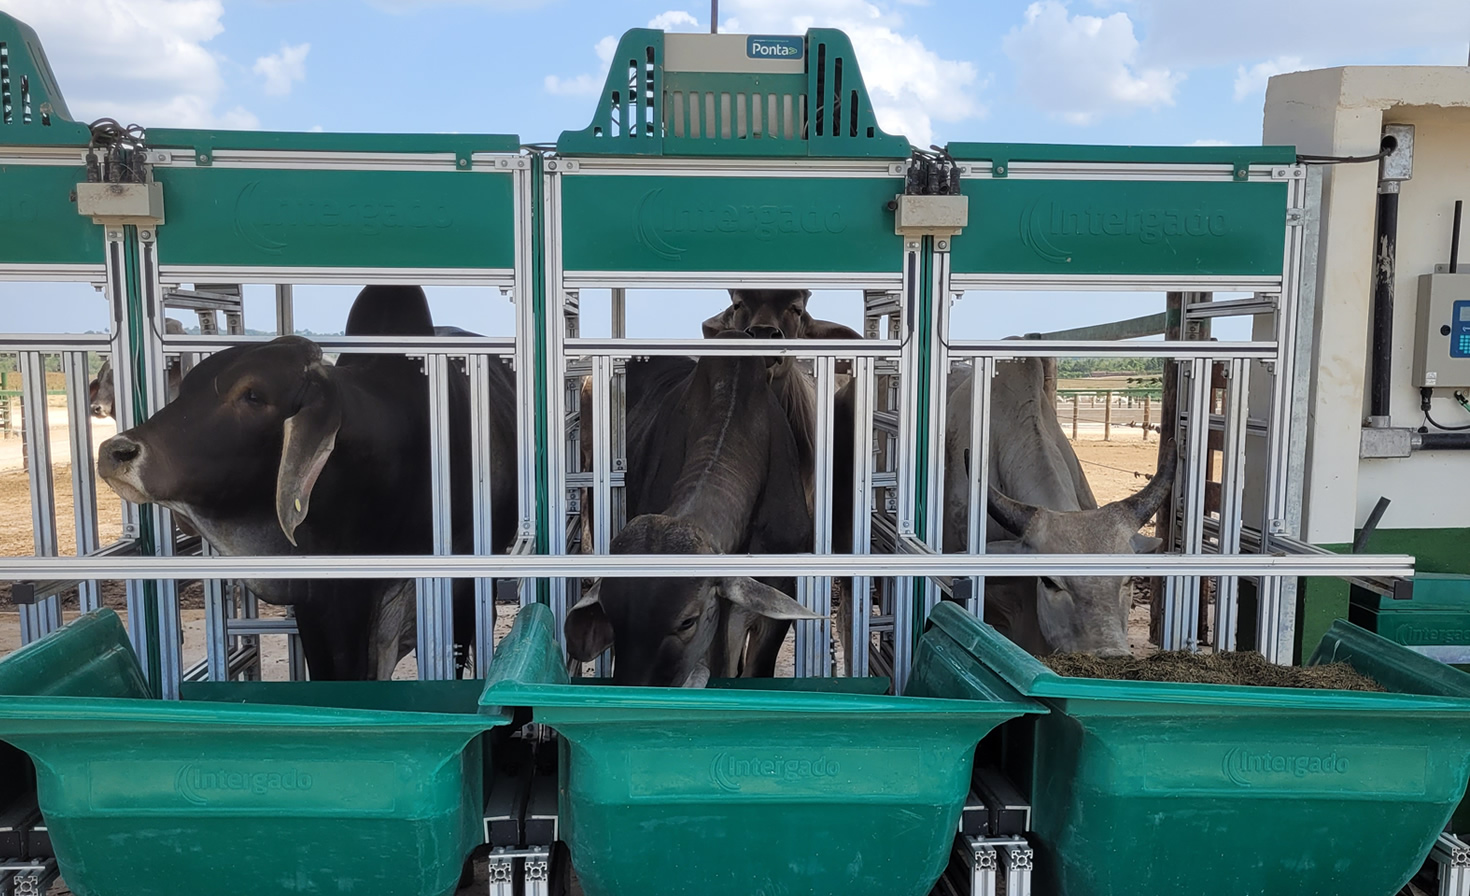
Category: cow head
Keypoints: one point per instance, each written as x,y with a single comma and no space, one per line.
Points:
1084,614
776,314
671,632
249,422
99,392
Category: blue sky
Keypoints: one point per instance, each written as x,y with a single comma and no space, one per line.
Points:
1071,71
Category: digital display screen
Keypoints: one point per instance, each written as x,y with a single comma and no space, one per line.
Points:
1464,315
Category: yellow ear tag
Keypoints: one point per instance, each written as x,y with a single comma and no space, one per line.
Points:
298,503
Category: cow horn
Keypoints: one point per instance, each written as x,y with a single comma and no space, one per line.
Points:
1014,515
1146,502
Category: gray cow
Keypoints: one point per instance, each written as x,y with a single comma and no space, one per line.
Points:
711,470
100,395
1040,502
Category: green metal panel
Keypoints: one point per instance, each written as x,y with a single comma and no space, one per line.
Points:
38,222
1181,228
831,114
32,109
1223,790
207,142
315,218
1132,155
243,787
733,792
653,223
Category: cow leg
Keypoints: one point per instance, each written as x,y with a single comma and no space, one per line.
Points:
334,637
842,596
464,624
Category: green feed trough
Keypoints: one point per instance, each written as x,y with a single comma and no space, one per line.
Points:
341,787
729,791
1138,787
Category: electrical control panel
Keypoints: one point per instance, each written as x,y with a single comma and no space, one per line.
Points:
1442,337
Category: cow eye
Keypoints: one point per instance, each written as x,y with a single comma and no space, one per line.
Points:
250,396
1050,584
688,624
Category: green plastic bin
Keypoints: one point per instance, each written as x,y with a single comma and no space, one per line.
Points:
332,787
737,791
1140,787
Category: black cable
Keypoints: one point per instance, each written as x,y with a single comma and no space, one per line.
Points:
1445,428
1307,159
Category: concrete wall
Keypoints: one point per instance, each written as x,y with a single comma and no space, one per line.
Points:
1342,111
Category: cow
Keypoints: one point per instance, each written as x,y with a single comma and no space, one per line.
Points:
100,395
782,314
712,469
1039,502
270,451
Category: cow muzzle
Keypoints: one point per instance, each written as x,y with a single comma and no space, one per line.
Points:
118,461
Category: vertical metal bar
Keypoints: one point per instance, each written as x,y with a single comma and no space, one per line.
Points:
40,619
523,293
477,367
983,375
819,631
155,382
1276,615
911,363
435,607
862,517
216,625
83,468
600,430
1185,635
285,309
1232,487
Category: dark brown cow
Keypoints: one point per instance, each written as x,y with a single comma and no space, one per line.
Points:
711,470
270,451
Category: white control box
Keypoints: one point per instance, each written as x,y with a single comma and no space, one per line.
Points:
1442,334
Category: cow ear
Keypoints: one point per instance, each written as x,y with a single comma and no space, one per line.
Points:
310,436
762,599
826,329
1146,544
716,324
588,630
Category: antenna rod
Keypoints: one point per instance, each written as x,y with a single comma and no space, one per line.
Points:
1455,238
714,16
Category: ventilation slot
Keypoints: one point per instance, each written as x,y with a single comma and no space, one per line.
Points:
821,87
852,117
837,97
25,99
5,106
649,118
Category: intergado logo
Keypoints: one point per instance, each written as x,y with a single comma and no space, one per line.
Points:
786,47
1048,226
268,220
198,784
1247,768
1409,633
662,225
729,770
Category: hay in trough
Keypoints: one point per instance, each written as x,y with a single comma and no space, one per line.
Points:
1238,668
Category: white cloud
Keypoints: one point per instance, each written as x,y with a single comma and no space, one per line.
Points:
1208,141
1081,68
408,6
281,70
142,61
676,20
1191,33
1253,80
315,129
910,85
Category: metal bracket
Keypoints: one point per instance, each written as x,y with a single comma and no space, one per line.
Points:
1398,165
1296,217
1453,857
563,165
1288,172
117,204
938,216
